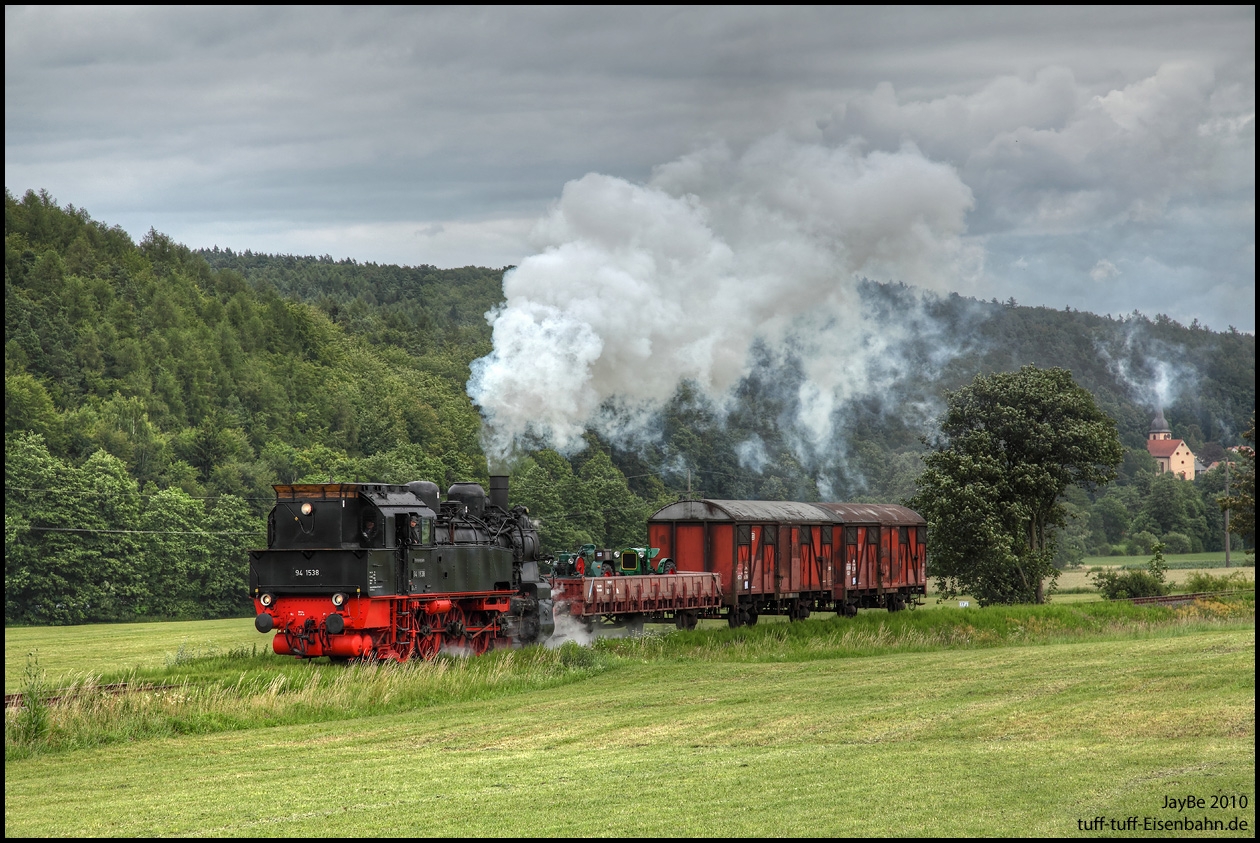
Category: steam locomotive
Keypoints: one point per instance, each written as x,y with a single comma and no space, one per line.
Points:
373,570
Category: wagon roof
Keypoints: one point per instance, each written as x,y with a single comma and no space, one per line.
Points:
788,512
880,513
708,510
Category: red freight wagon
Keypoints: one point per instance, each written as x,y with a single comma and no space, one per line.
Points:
881,560
791,558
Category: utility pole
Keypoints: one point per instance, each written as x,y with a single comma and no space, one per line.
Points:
1227,492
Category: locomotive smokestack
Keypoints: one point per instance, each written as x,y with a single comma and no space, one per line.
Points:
499,491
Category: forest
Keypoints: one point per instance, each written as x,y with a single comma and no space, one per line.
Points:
154,393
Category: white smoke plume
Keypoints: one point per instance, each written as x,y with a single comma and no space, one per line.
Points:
1152,370
752,454
569,628
638,287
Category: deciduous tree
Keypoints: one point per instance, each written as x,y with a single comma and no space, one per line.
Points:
1241,500
1010,444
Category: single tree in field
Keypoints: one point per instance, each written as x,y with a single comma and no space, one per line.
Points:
1240,497
1010,445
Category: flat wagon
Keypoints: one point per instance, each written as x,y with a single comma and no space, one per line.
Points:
631,601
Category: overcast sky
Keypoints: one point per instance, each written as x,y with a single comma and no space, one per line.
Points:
1098,158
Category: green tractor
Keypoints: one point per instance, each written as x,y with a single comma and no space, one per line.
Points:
642,560
587,561
592,561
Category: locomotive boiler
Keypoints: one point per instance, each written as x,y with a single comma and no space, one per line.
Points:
374,570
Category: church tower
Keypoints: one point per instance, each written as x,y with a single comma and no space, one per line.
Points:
1170,454
1159,427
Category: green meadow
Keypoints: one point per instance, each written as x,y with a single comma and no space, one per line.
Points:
67,653
1209,559
1003,721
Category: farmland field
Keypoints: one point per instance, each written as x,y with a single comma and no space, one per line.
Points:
954,722
1080,577
66,652
1209,559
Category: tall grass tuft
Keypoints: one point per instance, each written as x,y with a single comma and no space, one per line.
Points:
31,722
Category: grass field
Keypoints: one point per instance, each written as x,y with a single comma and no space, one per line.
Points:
1080,577
1214,559
69,652
1076,585
954,722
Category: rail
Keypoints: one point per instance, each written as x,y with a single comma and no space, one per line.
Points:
65,694
1179,599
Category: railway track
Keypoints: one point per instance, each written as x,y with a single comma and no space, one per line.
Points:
1181,599
15,700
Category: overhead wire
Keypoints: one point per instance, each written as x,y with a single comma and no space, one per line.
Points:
143,532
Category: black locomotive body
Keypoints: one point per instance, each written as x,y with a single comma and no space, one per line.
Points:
372,570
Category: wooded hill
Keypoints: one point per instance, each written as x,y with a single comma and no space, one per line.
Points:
149,385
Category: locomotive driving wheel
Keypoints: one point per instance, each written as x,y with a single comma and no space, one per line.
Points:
455,631
480,629
429,646
429,636
406,636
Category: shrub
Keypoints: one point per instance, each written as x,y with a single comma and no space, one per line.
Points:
1117,585
1201,581
1177,543
1141,542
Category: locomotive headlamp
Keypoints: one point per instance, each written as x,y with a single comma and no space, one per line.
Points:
339,599
266,599
307,508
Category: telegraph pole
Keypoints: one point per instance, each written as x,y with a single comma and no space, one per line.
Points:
1227,492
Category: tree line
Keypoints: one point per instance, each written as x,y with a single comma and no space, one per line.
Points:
83,544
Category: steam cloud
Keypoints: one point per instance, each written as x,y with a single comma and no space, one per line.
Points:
638,287
1150,368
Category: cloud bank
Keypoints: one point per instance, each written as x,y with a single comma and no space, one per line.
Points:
1109,151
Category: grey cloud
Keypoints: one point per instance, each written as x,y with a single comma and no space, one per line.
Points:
1083,134
1156,176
